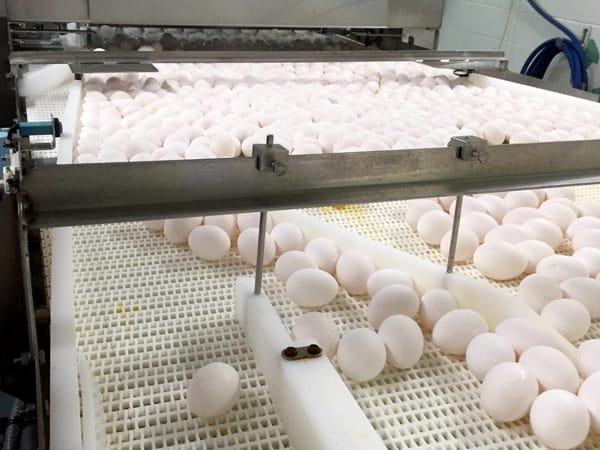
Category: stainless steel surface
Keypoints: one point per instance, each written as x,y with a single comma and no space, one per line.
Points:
419,13
536,82
111,68
270,13
72,57
454,238
260,253
47,10
104,193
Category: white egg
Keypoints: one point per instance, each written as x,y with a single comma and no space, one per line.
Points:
588,357
478,222
225,221
582,223
486,351
111,156
252,220
535,252
177,230
500,260
511,233
589,208
565,201
567,316
552,368
545,230
507,391
416,208
586,291
538,290
353,269
494,132
565,192
287,237
391,300
154,225
87,158
311,288
139,157
324,252
470,204
387,277
435,303
454,330
213,390
445,202
590,257
209,242
494,205
524,333
361,354
558,213
292,261
403,341
589,237
432,226
136,146
561,268
516,199
559,419
248,246
224,145
318,326
466,244
589,393
521,214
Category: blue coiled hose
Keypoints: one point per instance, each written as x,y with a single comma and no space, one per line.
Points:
538,62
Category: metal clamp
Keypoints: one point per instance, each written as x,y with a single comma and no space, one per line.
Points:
270,157
469,148
294,353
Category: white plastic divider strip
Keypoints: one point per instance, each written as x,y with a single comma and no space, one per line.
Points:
494,304
65,425
65,413
312,401
94,437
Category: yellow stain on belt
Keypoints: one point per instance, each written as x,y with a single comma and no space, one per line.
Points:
357,212
120,309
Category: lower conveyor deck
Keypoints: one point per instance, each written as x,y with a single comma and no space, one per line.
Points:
148,314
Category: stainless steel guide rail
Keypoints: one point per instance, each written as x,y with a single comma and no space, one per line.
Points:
104,193
182,56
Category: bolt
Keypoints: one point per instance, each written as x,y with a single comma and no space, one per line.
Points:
278,168
314,349
24,359
290,352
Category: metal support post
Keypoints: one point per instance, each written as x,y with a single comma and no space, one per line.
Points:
454,238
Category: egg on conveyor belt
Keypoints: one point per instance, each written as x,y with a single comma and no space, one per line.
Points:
189,111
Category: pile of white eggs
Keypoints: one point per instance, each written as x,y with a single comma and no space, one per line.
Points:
521,370
508,235
189,111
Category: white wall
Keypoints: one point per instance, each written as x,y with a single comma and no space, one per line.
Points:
513,26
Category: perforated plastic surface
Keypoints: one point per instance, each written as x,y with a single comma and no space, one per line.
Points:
149,314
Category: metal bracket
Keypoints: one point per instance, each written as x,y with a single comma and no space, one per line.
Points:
271,157
469,148
294,353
